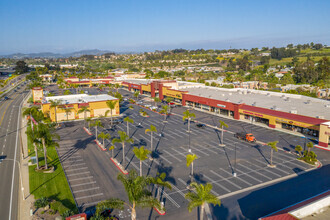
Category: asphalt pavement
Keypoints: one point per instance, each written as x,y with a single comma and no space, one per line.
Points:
10,151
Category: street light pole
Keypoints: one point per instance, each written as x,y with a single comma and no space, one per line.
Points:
19,168
234,173
189,150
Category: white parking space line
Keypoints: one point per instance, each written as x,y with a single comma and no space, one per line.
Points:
247,174
207,148
78,173
136,167
238,176
84,190
281,170
215,182
173,133
183,182
82,168
226,179
84,197
195,149
181,132
172,200
83,184
78,164
87,177
255,171
164,158
275,174
70,161
172,156
184,155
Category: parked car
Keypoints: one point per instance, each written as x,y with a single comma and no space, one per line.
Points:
147,106
200,125
6,98
117,121
153,108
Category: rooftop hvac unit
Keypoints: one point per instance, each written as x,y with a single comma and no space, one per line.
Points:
254,104
287,99
320,117
268,94
293,111
308,102
327,105
227,100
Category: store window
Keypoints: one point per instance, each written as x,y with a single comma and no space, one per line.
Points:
305,131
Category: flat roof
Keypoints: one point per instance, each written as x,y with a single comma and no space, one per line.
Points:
79,98
138,81
284,102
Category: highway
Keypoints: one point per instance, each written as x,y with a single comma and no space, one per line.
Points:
10,153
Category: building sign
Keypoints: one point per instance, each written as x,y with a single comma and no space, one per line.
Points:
222,106
134,86
252,113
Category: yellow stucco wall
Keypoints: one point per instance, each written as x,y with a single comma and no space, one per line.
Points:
172,93
146,88
37,95
277,121
324,133
96,109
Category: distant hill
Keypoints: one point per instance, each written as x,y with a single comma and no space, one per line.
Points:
56,55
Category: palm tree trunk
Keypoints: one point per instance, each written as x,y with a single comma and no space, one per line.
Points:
202,211
158,193
151,142
271,157
31,120
124,154
192,172
96,132
45,152
221,134
127,129
133,214
103,143
112,153
37,159
111,117
140,167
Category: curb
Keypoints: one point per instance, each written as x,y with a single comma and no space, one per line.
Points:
123,171
160,212
100,146
87,131
322,148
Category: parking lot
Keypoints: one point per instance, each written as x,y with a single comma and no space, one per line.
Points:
92,176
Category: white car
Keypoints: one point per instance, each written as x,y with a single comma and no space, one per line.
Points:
147,106
153,108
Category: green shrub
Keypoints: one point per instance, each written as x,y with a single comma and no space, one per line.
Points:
52,212
41,203
67,213
58,207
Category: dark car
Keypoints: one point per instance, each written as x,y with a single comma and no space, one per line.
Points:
6,98
199,125
117,121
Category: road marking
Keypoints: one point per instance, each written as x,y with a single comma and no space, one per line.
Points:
84,197
132,163
184,155
238,177
172,156
216,183
70,161
83,184
81,178
246,174
265,169
172,200
164,158
78,164
69,170
78,173
222,178
84,190
206,154
254,171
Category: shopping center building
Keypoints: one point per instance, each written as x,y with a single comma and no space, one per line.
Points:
69,106
299,114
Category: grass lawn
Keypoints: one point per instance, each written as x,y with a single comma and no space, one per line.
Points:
51,185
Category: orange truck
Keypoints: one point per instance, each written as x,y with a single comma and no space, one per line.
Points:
245,136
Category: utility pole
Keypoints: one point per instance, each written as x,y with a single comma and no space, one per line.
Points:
234,173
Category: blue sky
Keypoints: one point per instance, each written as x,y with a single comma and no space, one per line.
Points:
147,25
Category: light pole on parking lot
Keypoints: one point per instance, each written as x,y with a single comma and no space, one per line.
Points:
189,149
234,173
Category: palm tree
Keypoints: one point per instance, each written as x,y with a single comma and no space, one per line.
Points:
54,104
67,112
141,154
157,100
190,160
84,109
117,86
103,136
164,111
112,203
30,111
123,138
274,147
169,100
188,116
309,145
136,189
299,149
75,86
152,129
89,120
159,180
111,105
222,124
136,95
128,120
97,123
46,134
35,141
201,197
112,149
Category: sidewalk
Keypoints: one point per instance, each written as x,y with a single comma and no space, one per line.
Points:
24,205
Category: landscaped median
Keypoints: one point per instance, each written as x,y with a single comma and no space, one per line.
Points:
119,166
100,145
54,185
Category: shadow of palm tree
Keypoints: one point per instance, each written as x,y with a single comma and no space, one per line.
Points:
257,147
